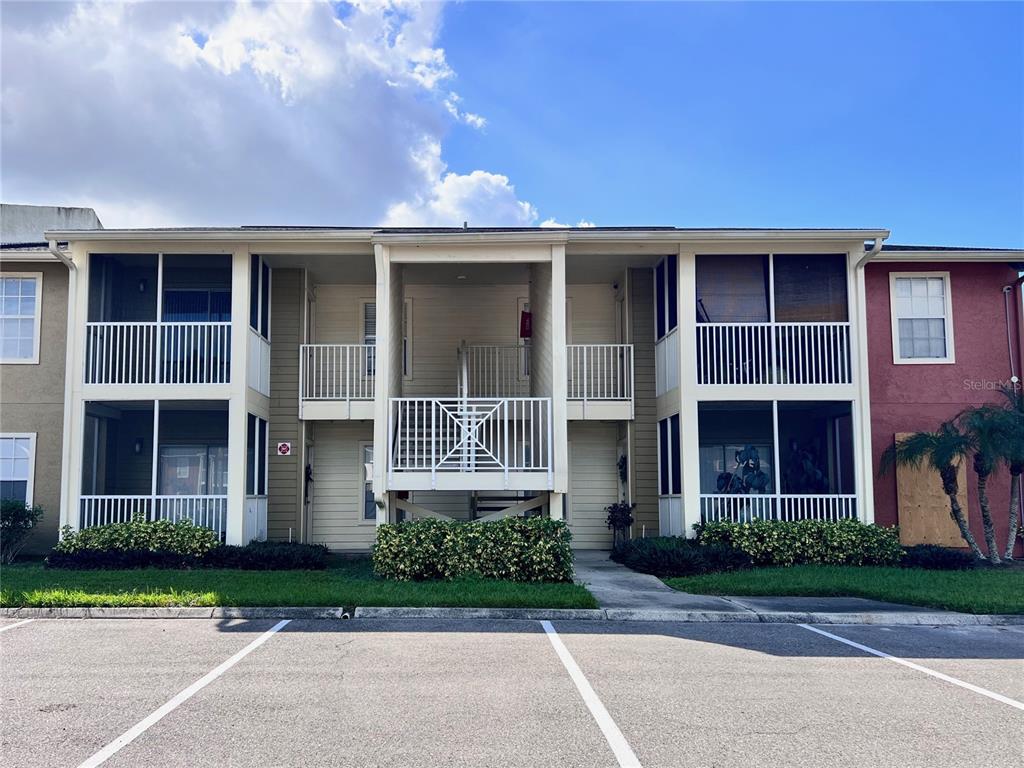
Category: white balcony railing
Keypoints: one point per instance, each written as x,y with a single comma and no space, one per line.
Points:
773,353
158,353
500,435
600,371
742,508
206,511
494,370
336,371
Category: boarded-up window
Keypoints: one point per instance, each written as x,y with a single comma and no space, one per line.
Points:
923,507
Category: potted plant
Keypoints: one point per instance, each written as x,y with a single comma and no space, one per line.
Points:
620,518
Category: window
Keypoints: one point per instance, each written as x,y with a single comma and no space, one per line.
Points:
370,336
256,457
259,296
369,505
922,311
17,465
192,470
666,293
670,481
20,298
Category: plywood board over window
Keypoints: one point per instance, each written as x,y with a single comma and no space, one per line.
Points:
924,507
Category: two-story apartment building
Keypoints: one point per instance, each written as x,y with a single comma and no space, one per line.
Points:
313,383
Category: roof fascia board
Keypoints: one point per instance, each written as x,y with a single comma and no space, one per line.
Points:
25,256
219,235
950,256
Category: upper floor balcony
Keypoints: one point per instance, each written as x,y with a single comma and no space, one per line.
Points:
158,319
777,319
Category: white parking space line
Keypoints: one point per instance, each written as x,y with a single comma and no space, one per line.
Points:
140,727
623,752
16,624
883,655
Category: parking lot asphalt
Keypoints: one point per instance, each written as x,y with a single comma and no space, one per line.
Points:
425,693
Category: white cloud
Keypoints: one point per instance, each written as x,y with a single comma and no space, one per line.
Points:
228,113
553,224
478,198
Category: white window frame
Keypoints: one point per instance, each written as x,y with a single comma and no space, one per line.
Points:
363,482
34,360
950,357
407,334
407,340
31,481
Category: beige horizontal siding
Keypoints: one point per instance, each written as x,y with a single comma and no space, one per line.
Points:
284,475
592,314
593,483
336,514
644,451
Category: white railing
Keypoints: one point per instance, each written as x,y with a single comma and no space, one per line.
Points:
600,371
494,370
470,435
773,353
206,511
258,374
742,508
158,353
336,371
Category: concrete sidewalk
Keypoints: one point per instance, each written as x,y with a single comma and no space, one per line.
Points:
626,594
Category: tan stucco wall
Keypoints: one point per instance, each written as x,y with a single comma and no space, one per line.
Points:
32,398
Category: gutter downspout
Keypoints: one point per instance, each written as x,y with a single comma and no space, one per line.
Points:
867,504
876,246
65,462
1012,292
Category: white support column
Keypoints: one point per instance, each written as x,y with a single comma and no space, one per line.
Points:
559,373
689,438
382,383
74,406
556,505
864,474
237,411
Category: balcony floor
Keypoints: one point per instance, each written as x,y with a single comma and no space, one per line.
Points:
468,481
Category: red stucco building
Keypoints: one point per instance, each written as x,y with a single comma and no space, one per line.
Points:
944,331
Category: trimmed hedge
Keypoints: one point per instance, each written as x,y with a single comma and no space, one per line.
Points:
936,558
180,538
163,544
269,556
774,542
668,556
513,549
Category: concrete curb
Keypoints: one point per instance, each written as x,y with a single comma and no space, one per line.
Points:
535,614
177,613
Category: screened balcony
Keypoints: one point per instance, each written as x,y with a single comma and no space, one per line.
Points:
158,319
160,461
773,319
776,461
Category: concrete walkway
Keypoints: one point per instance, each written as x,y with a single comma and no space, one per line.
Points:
626,594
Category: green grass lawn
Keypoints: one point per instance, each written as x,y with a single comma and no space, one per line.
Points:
346,583
978,591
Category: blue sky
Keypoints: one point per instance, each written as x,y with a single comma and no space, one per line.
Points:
908,116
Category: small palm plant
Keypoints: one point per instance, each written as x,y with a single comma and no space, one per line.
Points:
983,426
943,450
1010,425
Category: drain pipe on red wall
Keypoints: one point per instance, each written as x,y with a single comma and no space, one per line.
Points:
1013,292
66,513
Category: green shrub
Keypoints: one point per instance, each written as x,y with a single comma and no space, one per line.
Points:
774,542
17,520
118,559
180,538
514,549
668,556
268,556
936,558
